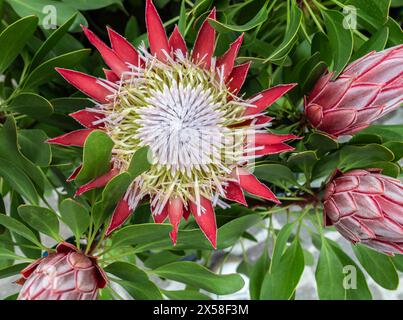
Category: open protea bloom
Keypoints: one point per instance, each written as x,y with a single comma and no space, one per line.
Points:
66,274
184,106
366,207
366,90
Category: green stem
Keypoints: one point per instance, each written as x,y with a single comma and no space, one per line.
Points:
314,18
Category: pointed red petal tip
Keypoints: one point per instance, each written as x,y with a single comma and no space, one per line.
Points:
119,216
234,192
186,212
64,247
176,41
74,138
87,84
110,75
252,185
123,48
271,138
73,176
157,37
110,57
98,182
268,97
161,217
87,118
237,77
203,49
226,63
175,213
273,149
206,220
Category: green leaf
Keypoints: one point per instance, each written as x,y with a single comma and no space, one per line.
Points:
135,281
185,295
277,174
12,270
377,42
139,162
282,279
351,156
18,227
7,254
37,7
340,38
396,147
90,4
97,155
14,38
182,18
373,14
293,24
41,219
32,105
387,132
46,70
361,291
112,193
198,276
51,41
281,243
379,266
398,262
256,21
329,274
258,272
304,161
75,216
33,146
321,143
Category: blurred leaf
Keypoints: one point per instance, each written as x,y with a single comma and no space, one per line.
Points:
185,295
198,276
46,70
371,13
12,270
75,216
321,143
18,227
257,275
277,174
282,279
351,156
340,38
33,146
398,262
14,38
304,162
7,254
91,4
395,32
377,42
42,8
329,274
51,41
387,132
182,18
396,147
135,281
97,155
379,266
31,104
41,219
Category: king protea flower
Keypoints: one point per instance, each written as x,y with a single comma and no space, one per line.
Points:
66,274
366,90
184,106
366,206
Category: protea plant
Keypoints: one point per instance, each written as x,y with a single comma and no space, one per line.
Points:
366,206
66,274
184,106
366,90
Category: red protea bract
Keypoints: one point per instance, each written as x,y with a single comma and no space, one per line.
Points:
184,106
366,90
66,274
366,206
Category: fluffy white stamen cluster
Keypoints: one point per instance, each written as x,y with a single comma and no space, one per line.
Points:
187,117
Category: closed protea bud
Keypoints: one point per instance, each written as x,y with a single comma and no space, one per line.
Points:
366,90
366,207
64,275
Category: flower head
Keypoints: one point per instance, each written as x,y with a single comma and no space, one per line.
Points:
366,90
365,206
65,275
183,106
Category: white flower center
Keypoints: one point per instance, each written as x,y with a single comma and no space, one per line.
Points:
182,127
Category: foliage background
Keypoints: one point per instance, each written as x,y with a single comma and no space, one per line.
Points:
288,41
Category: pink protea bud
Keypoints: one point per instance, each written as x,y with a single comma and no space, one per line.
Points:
366,206
64,275
366,90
